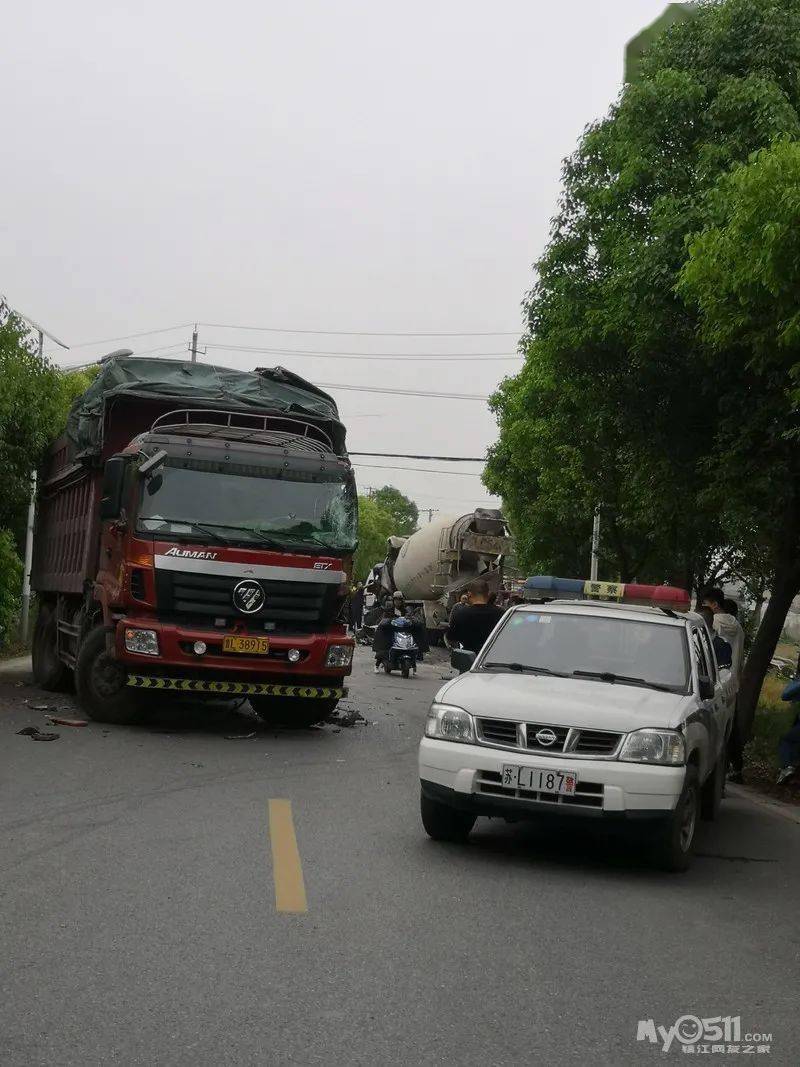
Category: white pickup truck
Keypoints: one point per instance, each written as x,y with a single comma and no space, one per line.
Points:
575,708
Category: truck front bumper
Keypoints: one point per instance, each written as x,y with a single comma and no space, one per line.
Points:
179,669
470,778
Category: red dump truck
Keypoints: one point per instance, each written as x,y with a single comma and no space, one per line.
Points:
195,532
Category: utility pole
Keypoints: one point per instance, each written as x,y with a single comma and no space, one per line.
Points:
595,544
194,344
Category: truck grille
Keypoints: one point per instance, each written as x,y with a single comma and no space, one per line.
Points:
567,740
295,606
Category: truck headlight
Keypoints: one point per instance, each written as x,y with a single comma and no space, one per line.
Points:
654,746
144,642
447,723
339,656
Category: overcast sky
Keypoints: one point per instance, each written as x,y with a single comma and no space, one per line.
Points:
339,166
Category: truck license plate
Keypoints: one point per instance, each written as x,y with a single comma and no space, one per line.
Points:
540,779
253,646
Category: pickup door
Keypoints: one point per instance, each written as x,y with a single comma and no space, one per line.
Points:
721,704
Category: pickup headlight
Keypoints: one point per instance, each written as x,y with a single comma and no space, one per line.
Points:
145,642
339,656
654,746
447,723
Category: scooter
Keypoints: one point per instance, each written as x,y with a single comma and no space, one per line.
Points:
404,650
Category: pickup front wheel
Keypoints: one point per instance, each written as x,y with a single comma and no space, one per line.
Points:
100,683
674,846
443,823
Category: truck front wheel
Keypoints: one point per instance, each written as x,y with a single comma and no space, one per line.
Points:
100,683
292,711
49,671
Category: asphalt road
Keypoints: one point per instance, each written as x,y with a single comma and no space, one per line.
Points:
140,924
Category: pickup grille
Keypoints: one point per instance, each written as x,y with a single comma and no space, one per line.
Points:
498,731
567,740
295,606
596,743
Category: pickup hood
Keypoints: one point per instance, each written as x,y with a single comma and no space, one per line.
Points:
583,703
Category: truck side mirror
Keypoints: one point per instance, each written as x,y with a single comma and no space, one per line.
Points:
706,687
461,659
113,482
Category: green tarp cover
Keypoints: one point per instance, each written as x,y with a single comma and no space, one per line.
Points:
196,385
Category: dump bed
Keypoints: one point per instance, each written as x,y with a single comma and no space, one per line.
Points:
125,399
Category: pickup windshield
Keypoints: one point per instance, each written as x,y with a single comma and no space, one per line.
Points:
251,505
610,650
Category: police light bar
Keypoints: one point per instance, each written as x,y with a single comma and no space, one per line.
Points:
545,587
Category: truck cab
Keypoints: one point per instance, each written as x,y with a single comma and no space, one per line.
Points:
584,708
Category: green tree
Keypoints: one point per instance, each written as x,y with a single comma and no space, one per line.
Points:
620,399
744,273
34,401
374,526
404,512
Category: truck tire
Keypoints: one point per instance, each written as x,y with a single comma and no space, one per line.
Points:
713,789
443,823
674,844
49,671
299,712
100,683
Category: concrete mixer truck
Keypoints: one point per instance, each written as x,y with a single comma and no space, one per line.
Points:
433,566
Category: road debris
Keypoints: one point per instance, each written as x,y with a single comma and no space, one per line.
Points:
35,734
240,737
346,717
41,707
57,721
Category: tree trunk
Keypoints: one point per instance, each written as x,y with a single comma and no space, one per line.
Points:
784,589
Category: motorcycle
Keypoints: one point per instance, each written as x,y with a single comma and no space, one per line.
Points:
404,651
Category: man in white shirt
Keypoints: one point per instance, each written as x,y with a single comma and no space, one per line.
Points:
728,627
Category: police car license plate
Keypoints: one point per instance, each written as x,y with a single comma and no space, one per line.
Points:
540,779
253,646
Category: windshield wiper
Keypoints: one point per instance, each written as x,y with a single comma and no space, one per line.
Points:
522,668
195,525
609,676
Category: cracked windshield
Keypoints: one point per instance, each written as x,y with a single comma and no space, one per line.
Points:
255,506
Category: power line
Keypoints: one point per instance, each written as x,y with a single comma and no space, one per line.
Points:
427,357
423,470
360,333
403,392
405,455
126,336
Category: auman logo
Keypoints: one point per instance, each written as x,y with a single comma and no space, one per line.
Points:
188,553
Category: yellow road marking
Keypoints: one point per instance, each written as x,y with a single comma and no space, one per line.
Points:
287,871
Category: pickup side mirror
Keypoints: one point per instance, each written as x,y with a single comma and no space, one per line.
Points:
113,483
706,687
461,659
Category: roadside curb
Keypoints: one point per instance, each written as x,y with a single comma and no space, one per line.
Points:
776,807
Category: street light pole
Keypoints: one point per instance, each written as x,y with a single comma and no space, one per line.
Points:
595,544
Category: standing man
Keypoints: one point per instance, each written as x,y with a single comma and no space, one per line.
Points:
728,627
357,607
470,624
